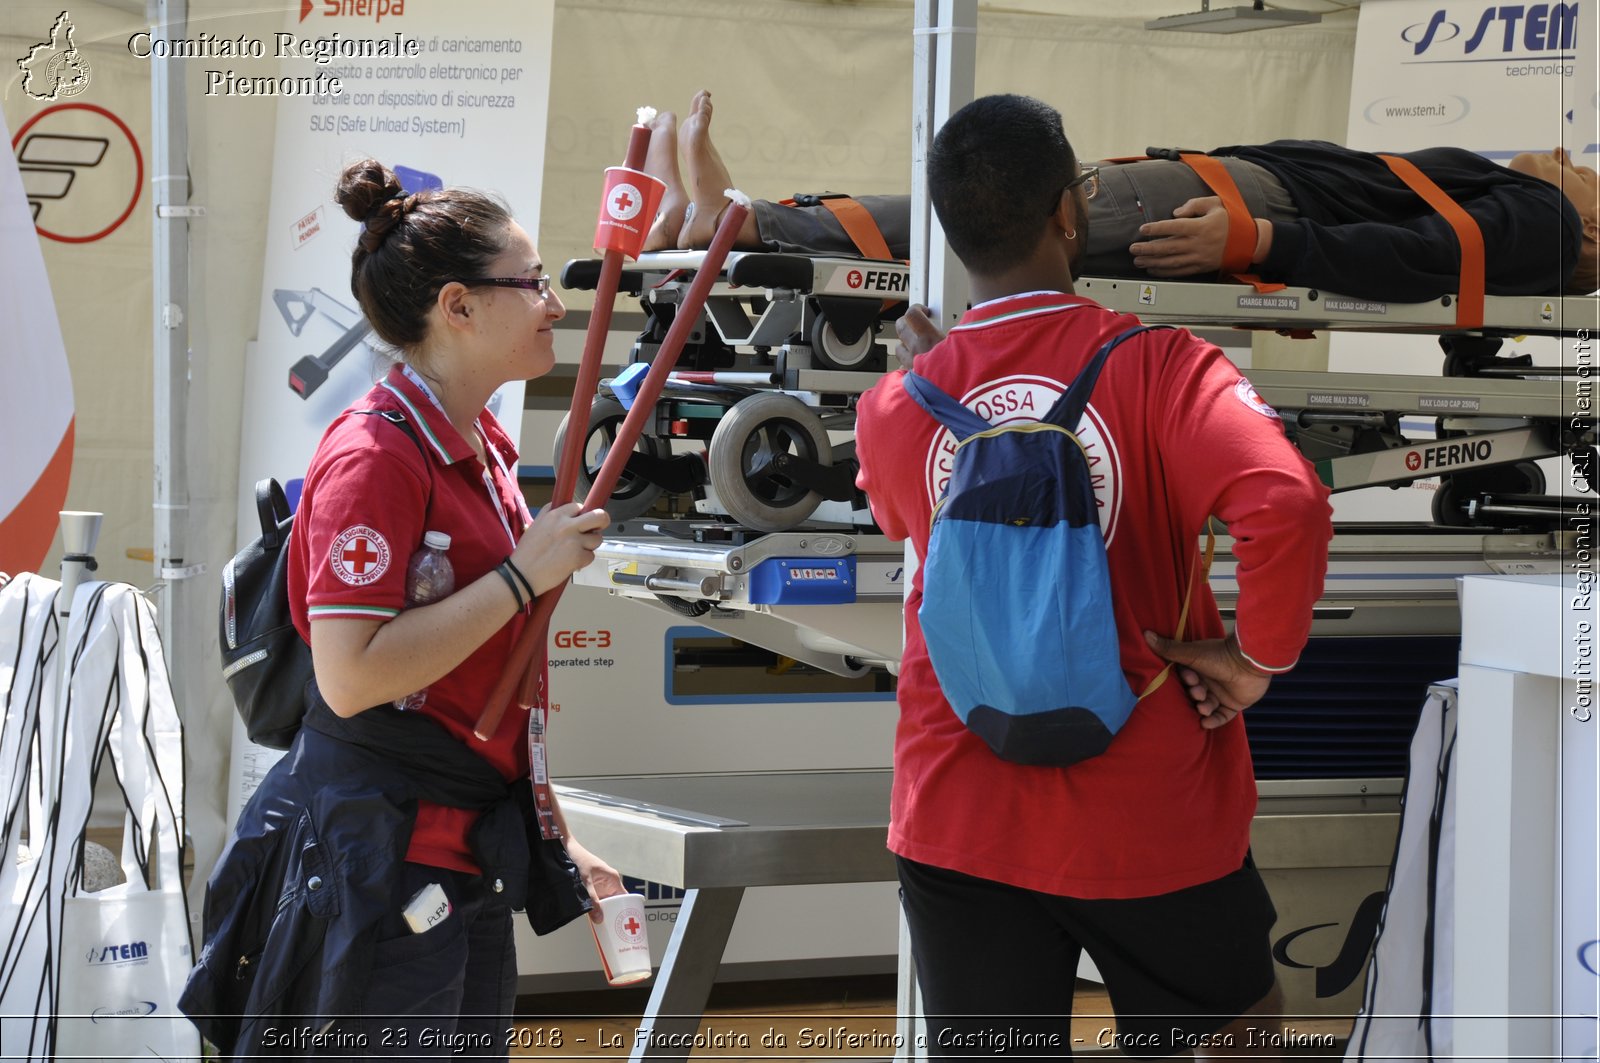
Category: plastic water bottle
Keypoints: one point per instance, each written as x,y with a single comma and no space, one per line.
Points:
429,578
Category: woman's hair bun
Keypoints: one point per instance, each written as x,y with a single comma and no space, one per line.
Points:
364,187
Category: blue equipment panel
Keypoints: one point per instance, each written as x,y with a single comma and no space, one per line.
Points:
803,581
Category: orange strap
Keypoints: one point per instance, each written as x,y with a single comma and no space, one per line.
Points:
859,226
1469,295
1241,243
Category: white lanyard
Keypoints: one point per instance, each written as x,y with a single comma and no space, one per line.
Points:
488,479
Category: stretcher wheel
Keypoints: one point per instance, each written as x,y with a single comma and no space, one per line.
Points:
1449,506
633,494
830,349
1456,490
753,441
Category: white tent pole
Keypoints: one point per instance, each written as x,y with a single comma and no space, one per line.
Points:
79,535
80,531
174,559
944,59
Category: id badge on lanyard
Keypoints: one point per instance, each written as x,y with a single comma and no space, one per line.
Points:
544,803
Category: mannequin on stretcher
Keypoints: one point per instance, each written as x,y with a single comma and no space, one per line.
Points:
1318,216
1309,213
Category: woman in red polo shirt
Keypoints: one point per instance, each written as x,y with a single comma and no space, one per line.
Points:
390,846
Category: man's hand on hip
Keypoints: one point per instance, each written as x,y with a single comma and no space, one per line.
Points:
1218,678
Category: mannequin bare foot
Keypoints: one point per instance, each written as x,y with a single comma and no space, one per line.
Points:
661,161
707,174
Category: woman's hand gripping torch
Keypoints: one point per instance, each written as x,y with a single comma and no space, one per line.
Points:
523,664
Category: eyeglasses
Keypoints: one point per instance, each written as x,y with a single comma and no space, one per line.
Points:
1088,177
539,285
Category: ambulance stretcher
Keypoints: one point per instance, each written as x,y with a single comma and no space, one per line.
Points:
766,384
788,558
1494,416
834,600
789,342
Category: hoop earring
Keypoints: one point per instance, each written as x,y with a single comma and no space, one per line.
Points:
1071,234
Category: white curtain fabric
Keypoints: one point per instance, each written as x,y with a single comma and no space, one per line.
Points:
817,96
56,731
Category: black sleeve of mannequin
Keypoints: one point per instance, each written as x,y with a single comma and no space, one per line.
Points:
1529,249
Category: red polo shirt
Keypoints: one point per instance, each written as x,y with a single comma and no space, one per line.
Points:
369,496
1173,434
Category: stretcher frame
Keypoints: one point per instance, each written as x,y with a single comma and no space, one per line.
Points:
1348,424
1229,305
805,328
1388,579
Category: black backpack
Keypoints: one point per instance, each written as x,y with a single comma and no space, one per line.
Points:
265,662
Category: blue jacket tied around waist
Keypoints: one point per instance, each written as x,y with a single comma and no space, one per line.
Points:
293,904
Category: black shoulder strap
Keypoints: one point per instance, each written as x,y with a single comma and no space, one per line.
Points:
398,419
272,507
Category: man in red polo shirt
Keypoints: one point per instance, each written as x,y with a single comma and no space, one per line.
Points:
1140,855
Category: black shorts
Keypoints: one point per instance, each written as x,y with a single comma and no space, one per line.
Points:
996,964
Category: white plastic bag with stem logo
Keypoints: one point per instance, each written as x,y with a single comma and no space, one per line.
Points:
107,966
125,951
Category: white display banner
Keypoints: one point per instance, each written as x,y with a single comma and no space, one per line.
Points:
1500,80
450,100
1496,79
441,99
37,419
1492,78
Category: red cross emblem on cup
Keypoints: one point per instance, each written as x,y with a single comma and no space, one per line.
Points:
629,926
627,207
625,202
359,555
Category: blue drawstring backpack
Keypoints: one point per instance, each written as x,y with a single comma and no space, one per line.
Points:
1016,606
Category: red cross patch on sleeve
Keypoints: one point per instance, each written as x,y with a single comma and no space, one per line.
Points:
359,555
1246,394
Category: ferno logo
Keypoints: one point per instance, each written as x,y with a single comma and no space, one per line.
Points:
1505,28
583,640
376,10
877,280
122,953
1451,454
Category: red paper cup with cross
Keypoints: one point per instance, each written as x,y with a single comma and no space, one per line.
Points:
627,210
621,939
